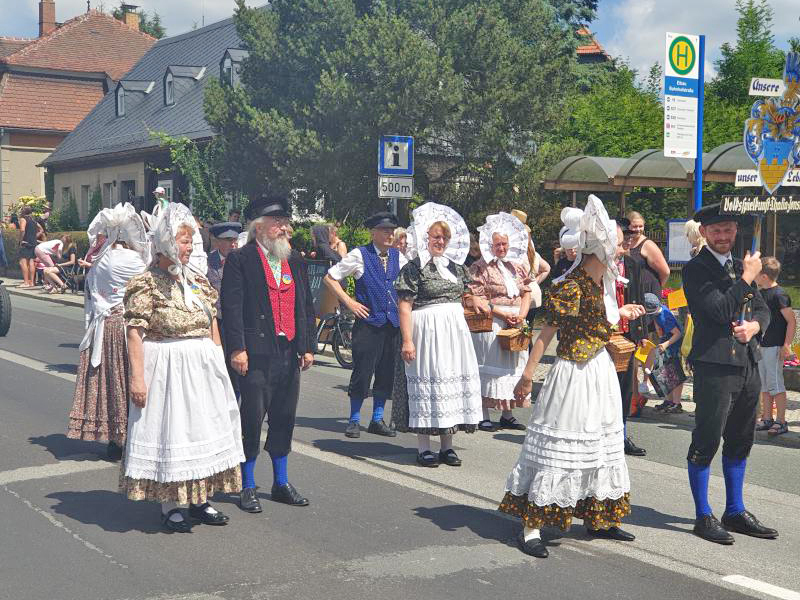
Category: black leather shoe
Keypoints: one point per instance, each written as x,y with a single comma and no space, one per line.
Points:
632,449
449,458
427,459
747,524
612,533
198,513
511,423
248,501
114,451
286,494
487,425
182,526
380,428
535,547
709,528
353,429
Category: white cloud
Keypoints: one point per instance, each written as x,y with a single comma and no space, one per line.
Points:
178,16
635,29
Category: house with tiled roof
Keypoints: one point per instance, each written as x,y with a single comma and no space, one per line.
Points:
50,83
590,50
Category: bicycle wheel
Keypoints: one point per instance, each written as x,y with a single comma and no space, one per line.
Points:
325,332
343,343
5,310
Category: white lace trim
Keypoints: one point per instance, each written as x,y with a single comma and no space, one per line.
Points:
565,488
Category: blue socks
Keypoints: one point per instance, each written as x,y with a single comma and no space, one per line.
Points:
733,471
698,481
377,408
355,409
249,473
280,469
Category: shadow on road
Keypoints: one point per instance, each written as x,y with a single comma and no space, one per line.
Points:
487,524
645,516
70,369
383,451
62,448
110,511
69,345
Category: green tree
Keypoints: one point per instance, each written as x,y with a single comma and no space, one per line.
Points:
95,204
69,219
148,23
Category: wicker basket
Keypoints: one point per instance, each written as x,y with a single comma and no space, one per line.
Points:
513,339
477,322
620,349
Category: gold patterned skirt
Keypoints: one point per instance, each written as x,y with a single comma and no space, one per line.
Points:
196,491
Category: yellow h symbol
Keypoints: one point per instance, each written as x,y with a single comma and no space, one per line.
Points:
682,55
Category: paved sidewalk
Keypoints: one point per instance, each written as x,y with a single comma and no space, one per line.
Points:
66,299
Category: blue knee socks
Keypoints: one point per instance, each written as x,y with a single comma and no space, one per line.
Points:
733,471
698,481
355,409
249,473
377,408
280,469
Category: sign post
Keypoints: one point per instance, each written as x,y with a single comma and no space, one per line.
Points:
395,168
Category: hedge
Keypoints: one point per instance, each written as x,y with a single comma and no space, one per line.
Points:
11,241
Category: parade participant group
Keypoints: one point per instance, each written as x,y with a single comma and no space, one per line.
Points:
186,355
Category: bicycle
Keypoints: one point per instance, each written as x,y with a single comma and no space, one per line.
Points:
339,328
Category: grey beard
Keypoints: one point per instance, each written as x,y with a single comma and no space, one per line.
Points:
279,248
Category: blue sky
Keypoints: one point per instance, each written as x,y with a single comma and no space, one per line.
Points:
633,29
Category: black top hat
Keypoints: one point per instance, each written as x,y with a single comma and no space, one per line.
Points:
268,206
381,219
708,215
225,230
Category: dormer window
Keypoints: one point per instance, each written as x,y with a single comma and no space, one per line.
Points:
230,65
227,71
120,101
169,89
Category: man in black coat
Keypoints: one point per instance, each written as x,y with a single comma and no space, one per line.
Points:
631,293
729,317
269,327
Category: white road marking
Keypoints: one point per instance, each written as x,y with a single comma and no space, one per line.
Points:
762,586
90,462
34,364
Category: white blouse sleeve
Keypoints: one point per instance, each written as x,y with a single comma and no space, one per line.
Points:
351,264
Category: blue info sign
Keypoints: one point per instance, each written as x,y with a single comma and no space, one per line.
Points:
396,155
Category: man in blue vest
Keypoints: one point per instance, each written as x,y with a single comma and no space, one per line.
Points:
374,267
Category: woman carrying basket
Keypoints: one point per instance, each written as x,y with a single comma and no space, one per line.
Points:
501,280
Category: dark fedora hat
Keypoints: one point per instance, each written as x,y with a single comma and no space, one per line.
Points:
382,219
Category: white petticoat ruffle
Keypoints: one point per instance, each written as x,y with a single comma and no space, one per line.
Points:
575,445
500,369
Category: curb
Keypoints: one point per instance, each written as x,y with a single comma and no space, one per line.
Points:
54,298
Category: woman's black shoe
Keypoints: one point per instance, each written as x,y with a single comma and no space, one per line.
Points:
511,423
450,458
534,547
427,459
114,451
487,425
182,526
612,533
199,513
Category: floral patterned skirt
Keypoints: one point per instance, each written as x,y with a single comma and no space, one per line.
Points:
596,514
100,403
196,491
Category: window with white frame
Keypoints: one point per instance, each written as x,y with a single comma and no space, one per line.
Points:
227,71
169,89
120,101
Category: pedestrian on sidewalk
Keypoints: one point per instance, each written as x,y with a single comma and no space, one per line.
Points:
375,267
270,335
100,402
572,462
437,387
499,278
27,246
184,435
730,317
776,347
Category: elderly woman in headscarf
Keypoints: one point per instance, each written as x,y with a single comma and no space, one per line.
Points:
437,384
100,403
572,463
499,277
184,434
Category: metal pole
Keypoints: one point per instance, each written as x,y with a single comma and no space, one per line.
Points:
698,161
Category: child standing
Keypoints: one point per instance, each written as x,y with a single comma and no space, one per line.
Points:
775,347
670,336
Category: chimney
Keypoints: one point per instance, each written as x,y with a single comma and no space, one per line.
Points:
47,17
130,16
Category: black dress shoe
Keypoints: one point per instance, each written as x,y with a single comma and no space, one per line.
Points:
632,449
286,494
534,547
612,533
747,524
427,459
198,513
709,528
248,501
450,458
114,451
380,428
353,429
182,526
511,423
487,425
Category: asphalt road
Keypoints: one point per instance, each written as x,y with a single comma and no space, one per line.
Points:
378,525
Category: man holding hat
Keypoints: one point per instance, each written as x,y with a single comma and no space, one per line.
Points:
270,335
375,268
729,317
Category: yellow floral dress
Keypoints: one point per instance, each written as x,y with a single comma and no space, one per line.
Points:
572,463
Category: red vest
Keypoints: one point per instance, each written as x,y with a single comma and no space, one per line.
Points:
281,298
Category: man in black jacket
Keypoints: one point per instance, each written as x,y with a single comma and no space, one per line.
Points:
268,316
729,316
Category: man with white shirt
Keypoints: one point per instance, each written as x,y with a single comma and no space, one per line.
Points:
729,317
375,267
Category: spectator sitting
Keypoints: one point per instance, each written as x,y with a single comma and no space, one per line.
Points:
70,253
670,337
46,252
775,347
